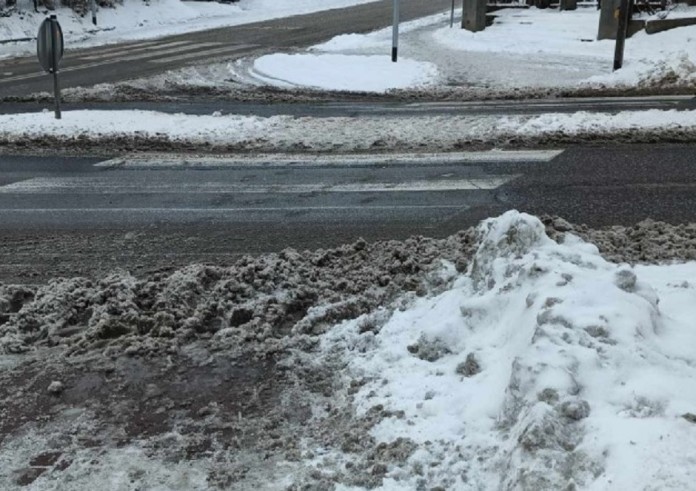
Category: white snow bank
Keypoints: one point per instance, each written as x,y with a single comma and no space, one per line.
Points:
137,123
343,72
666,58
543,367
335,133
533,31
584,122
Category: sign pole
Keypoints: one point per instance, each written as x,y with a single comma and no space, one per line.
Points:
452,16
94,11
395,33
624,14
54,64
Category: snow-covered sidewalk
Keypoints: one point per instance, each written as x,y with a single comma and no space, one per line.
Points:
287,133
522,50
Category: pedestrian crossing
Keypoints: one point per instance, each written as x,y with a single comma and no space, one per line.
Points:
281,189
152,52
211,161
287,174
101,185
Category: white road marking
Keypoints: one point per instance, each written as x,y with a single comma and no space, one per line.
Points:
159,161
127,50
108,185
85,66
153,54
228,210
210,52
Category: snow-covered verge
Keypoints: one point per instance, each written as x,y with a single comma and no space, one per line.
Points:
136,20
152,130
342,72
508,356
522,50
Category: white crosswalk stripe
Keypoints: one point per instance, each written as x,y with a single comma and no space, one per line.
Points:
106,185
153,179
169,161
203,54
157,53
136,49
179,51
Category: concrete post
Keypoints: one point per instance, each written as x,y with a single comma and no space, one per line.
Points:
609,19
474,15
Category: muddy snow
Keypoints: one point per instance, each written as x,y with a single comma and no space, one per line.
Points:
519,354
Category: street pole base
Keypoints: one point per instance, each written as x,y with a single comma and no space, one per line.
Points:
395,54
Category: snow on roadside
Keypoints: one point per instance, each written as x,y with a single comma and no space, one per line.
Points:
523,49
664,59
341,133
532,32
543,367
138,20
343,72
496,358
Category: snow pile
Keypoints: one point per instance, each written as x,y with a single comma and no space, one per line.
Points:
533,32
152,130
674,70
588,123
544,367
256,300
662,60
496,358
342,72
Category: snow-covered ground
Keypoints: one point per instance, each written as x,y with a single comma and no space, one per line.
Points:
371,73
523,49
135,20
543,367
283,133
511,355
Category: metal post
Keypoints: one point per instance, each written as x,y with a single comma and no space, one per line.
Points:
621,34
395,32
452,16
94,11
54,65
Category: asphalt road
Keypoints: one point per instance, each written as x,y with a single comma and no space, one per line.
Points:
66,216
381,108
108,64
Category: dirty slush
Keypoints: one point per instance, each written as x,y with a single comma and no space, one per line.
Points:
209,377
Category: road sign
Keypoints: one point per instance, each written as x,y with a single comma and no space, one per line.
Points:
49,43
49,49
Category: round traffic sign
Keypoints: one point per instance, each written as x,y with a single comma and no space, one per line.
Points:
49,44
